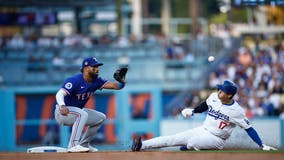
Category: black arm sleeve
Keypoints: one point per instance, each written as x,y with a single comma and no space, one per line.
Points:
201,108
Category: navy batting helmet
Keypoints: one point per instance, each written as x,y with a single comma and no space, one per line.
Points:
228,87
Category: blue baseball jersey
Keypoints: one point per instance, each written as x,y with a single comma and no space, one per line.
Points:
79,91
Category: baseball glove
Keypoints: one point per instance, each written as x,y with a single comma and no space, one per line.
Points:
120,74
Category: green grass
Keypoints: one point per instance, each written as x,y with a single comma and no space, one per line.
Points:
237,151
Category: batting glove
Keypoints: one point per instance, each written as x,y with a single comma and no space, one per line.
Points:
187,112
268,148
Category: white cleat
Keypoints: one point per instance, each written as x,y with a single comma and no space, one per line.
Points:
78,149
93,149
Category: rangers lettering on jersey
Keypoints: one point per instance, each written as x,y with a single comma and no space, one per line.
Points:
217,114
84,96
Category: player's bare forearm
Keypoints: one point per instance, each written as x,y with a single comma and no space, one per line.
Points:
113,85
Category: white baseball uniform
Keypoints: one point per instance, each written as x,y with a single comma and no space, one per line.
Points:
220,121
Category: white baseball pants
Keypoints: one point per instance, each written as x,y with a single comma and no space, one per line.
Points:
196,138
78,118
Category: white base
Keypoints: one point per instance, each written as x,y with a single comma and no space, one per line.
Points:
44,149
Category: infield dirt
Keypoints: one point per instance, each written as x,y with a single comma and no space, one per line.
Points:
149,155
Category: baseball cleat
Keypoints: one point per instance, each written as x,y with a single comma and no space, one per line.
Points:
183,148
78,149
93,149
136,144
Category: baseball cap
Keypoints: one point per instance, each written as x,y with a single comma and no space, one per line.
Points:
91,61
228,87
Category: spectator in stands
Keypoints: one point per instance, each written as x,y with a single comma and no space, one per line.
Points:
247,109
86,41
277,88
55,42
77,60
178,48
254,105
123,60
174,49
274,100
58,62
36,64
44,42
169,51
189,57
149,40
213,80
105,39
232,70
17,42
122,42
260,77
244,57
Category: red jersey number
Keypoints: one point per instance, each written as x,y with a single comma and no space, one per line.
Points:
223,124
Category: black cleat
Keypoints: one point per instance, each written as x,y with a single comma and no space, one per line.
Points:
183,148
136,144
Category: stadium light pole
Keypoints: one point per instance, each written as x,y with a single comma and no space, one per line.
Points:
193,9
166,15
119,16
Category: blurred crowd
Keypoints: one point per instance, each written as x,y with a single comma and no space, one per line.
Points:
258,70
257,67
32,41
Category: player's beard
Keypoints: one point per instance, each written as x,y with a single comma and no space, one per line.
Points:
94,75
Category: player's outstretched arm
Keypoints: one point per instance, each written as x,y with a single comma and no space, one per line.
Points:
202,107
188,112
120,76
255,137
113,85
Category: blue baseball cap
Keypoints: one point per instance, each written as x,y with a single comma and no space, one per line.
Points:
228,87
91,61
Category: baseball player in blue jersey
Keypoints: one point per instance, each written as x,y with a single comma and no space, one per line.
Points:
72,97
223,115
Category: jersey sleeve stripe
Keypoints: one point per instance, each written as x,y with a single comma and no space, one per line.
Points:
65,91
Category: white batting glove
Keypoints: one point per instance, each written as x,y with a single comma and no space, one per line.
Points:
187,112
268,148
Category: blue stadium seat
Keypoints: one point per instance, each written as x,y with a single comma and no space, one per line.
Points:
2,55
17,55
